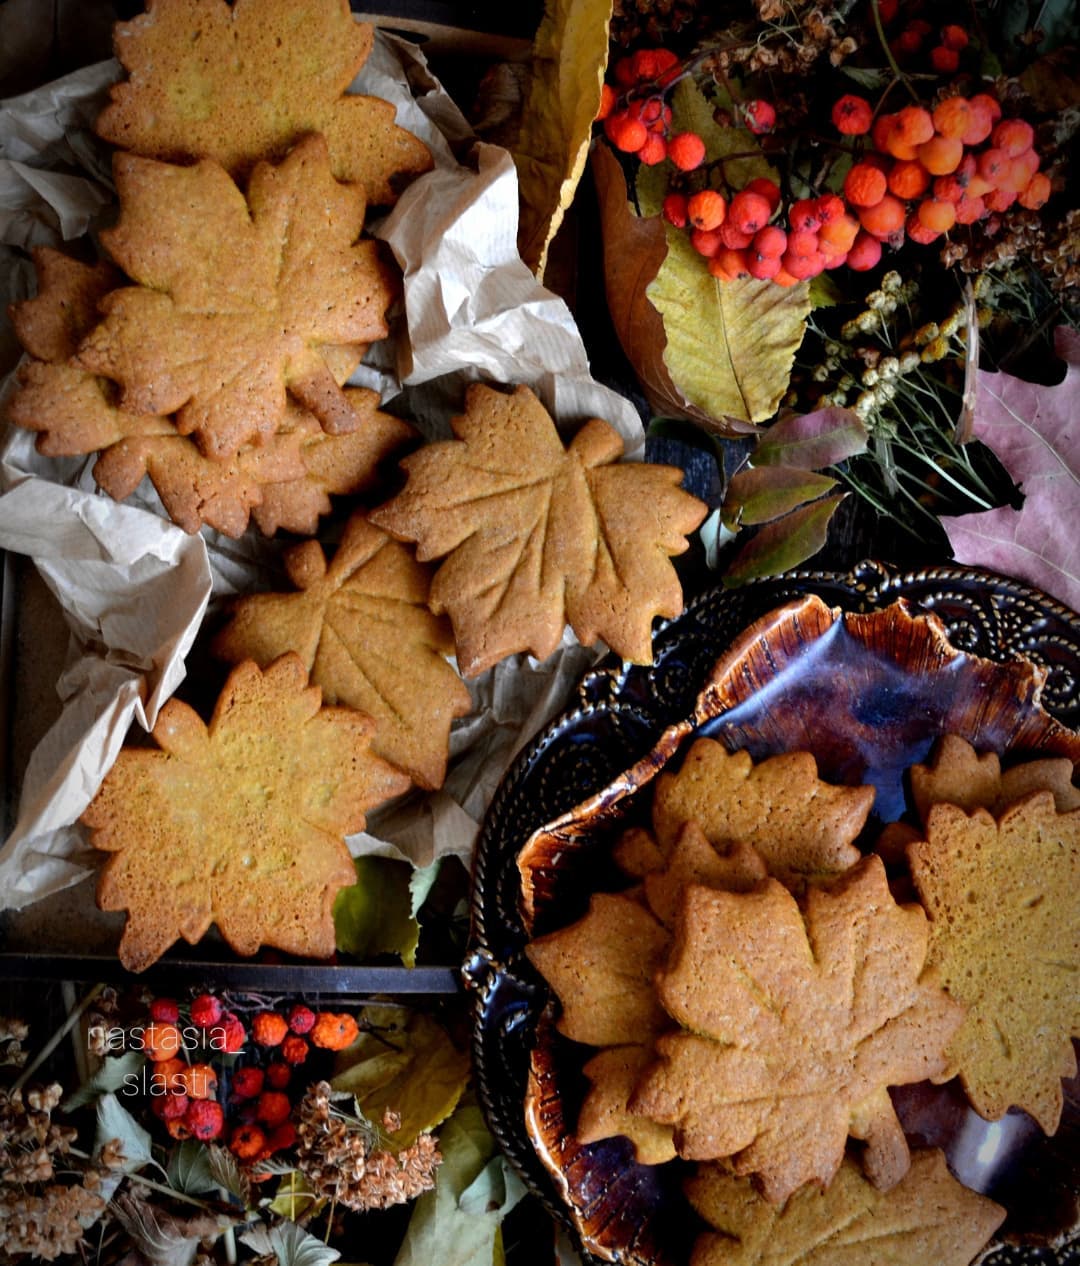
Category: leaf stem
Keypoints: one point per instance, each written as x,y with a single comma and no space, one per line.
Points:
73,1018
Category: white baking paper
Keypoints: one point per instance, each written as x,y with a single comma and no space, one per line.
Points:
134,588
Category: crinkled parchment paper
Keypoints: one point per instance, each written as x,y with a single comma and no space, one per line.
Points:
134,588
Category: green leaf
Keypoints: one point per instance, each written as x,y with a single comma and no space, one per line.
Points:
189,1168
824,292
421,882
761,494
405,1062
290,1244
651,185
112,1075
730,345
812,441
693,112
785,543
295,1197
115,1122
374,915
866,76
458,1223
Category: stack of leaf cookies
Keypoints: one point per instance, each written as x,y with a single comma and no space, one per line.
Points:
757,991
212,357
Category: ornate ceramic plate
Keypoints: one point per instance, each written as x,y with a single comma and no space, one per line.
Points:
999,664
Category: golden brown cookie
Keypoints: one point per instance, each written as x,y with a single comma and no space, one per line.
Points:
244,82
1005,939
362,627
961,776
535,535
601,969
241,822
927,1219
803,828
239,299
612,1075
793,1024
693,860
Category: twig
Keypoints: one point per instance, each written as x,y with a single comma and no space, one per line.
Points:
53,1042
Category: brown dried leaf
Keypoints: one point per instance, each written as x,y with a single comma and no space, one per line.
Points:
242,83
361,625
240,822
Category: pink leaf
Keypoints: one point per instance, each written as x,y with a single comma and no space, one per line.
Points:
1035,431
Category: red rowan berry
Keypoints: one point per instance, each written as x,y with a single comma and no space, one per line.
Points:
953,36
908,178
278,1074
200,1081
608,98
333,1031
1036,193
907,42
645,64
164,1010
653,151
941,155
993,164
624,72
729,265
673,210
832,257
169,1107
914,125
888,9
1000,199
274,1107
919,232
706,241
733,238
852,115
803,267
177,1128
161,1041
864,186
1013,136
921,26
706,210
294,1050
762,267
205,1119
665,60
768,189
647,110
865,253
985,101
247,1083
830,207
784,278
206,1010
625,133
800,243
980,123
952,117
937,213
247,1142
168,1074
284,1136
771,240
838,235
969,209
749,211
944,60
686,150
760,116
804,214
882,131
233,1035
269,1028
884,218
949,188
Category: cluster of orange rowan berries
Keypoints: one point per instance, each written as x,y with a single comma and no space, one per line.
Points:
249,1103
927,171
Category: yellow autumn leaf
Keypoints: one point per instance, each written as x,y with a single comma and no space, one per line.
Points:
730,345
568,62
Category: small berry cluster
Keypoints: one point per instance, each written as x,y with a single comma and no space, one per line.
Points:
244,1098
927,171
917,40
638,121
